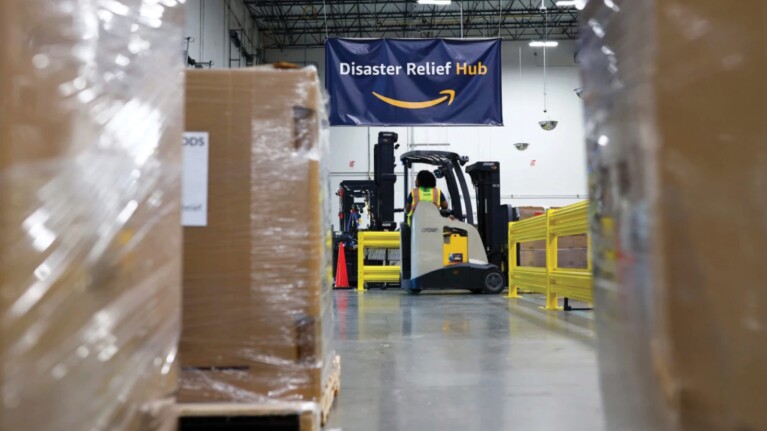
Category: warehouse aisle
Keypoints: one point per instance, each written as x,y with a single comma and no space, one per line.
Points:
456,361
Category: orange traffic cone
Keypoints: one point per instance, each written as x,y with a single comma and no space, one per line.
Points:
342,278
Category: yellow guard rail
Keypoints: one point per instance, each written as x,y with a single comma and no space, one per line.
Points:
376,273
551,281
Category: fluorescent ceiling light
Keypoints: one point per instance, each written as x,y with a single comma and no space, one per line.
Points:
437,2
544,44
578,4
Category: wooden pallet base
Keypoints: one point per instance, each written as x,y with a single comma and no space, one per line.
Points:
331,390
271,416
277,416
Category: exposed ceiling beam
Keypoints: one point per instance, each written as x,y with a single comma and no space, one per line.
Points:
301,23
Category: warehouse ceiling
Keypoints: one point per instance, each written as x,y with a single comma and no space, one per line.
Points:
303,23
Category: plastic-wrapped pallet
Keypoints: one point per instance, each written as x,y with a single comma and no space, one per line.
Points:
257,294
90,237
676,109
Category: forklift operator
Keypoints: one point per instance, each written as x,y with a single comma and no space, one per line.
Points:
425,190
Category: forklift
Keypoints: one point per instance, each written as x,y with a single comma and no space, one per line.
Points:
439,252
375,196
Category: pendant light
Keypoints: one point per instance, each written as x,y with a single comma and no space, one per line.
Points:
548,124
521,146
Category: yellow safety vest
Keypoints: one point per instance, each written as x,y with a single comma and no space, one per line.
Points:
421,194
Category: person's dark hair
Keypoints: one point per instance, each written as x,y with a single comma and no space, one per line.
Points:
426,179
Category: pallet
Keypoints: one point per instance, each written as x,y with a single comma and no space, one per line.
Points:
270,416
273,416
331,390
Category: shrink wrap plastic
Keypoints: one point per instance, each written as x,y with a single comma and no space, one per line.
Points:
90,239
676,122
257,292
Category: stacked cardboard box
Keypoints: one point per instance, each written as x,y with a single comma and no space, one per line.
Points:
676,102
90,235
532,253
572,250
257,295
528,212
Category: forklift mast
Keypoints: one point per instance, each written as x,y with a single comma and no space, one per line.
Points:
378,193
384,179
448,167
347,192
492,217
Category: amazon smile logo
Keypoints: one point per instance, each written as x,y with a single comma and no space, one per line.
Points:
449,96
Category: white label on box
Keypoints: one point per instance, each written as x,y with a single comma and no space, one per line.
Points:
194,188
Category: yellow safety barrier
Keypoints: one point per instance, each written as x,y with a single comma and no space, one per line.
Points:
551,281
376,273
521,277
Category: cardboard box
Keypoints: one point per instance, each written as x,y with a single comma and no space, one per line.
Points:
534,258
676,108
528,212
89,200
570,258
563,243
257,299
533,245
574,258
572,242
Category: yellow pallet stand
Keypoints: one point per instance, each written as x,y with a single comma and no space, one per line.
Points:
569,283
376,273
524,278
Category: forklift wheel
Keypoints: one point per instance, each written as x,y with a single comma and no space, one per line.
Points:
412,291
494,283
409,287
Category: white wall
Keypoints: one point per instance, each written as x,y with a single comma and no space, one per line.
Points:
558,176
209,22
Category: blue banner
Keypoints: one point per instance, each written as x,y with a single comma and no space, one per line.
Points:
407,82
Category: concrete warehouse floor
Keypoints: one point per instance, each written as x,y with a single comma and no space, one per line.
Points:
457,361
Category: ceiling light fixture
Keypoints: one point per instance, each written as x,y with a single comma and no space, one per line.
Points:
544,44
578,4
436,2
